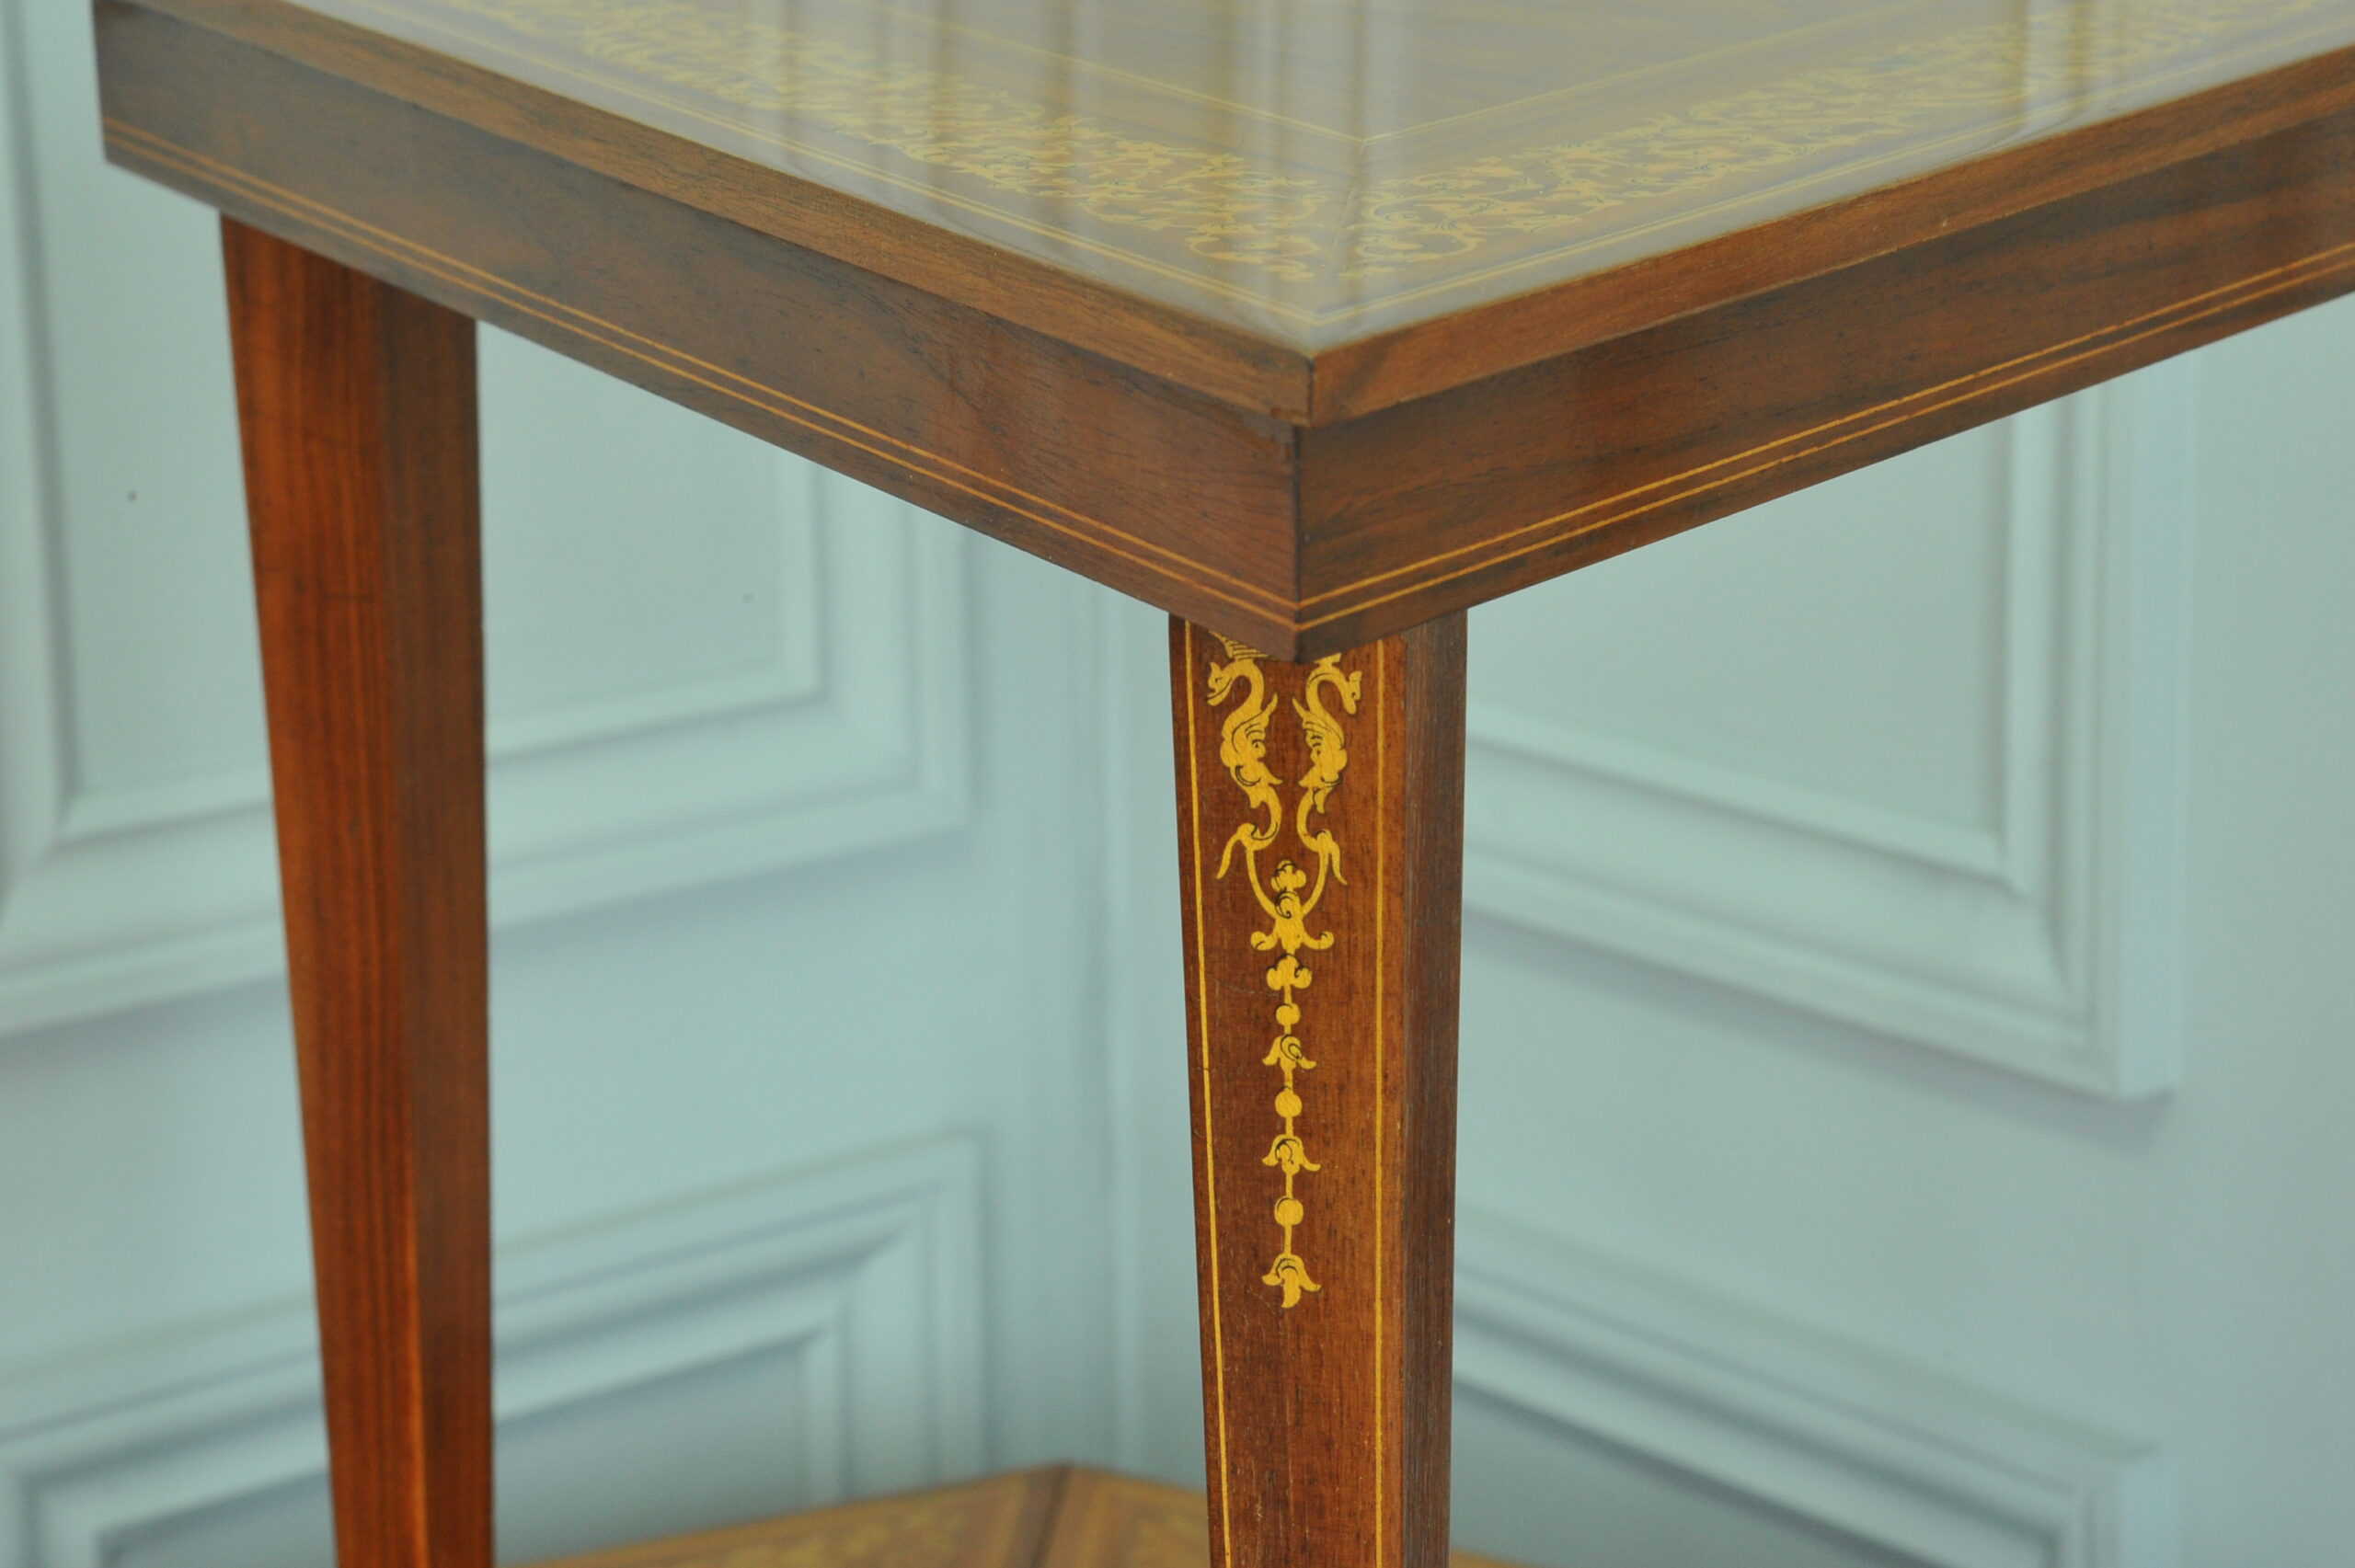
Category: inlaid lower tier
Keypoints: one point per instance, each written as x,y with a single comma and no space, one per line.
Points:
1062,1516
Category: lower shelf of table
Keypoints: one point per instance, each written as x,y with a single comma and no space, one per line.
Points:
1064,1517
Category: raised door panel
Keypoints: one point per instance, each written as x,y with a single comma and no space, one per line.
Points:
1902,750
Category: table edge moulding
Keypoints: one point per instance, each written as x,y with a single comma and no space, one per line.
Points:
1305,502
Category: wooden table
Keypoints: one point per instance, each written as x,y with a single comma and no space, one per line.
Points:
1312,324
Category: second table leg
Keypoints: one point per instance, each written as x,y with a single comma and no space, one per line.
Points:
357,402
1320,825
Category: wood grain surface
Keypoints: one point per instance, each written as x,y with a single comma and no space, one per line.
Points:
357,405
995,426
1370,486
1320,861
1461,497
1061,1517
1118,1521
1354,186
1002,1522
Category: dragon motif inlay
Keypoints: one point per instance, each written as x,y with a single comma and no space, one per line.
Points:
1287,890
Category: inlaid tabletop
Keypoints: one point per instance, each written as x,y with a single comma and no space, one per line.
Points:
1321,169
1305,321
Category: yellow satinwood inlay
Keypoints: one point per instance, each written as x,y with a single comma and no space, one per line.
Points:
1286,893
1295,235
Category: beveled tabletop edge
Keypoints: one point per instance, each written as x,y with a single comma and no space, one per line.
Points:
1402,364
1232,364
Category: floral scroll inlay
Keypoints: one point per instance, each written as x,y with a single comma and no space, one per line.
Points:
1287,893
1316,235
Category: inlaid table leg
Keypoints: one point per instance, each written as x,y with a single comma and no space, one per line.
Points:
357,402
1321,825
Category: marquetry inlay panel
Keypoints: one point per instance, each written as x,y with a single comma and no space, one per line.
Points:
1328,169
1066,1518
979,1525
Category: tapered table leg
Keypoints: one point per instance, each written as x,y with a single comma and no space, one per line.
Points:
357,402
1320,822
